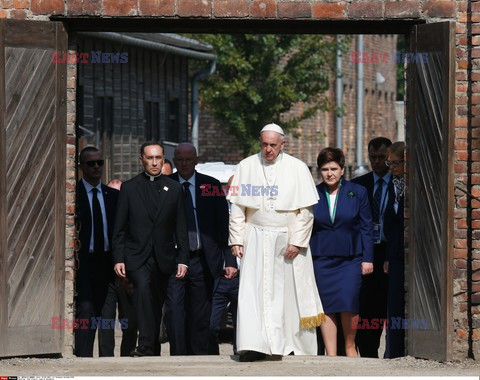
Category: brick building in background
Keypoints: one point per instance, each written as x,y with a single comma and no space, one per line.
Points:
38,149
379,88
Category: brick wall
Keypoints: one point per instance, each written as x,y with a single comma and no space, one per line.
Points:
216,143
70,218
467,178
467,103
378,108
253,9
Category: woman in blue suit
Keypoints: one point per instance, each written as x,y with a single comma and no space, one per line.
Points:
342,248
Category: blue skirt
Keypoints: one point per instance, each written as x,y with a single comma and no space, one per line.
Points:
339,280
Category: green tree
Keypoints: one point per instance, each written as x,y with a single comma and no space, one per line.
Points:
401,46
259,77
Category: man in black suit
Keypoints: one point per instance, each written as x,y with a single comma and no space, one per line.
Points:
150,241
373,295
188,306
119,293
225,296
95,210
395,260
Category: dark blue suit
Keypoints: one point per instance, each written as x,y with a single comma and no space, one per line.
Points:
189,300
394,231
373,296
225,292
351,232
338,248
95,271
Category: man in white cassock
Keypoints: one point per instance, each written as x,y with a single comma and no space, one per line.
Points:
271,221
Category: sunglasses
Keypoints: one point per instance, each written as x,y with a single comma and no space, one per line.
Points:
91,164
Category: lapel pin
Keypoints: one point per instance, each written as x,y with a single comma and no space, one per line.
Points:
165,188
351,194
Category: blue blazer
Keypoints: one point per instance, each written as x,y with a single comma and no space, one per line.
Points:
351,233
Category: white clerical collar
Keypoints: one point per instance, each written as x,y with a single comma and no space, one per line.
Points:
277,159
152,177
191,180
89,187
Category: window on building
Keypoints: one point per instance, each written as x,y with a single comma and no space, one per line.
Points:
152,121
173,120
103,119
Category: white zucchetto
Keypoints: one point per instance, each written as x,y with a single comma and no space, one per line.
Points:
274,128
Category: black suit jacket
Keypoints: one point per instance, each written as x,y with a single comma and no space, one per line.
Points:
212,219
84,214
367,181
394,230
140,227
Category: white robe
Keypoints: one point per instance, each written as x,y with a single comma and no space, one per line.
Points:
276,296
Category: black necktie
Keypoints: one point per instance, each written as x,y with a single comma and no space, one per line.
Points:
192,226
377,198
98,240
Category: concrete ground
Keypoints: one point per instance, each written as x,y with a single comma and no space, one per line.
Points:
225,365
228,365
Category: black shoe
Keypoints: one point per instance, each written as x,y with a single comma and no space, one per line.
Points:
274,358
141,351
252,356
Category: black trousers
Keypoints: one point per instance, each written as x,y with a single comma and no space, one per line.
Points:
150,287
225,292
188,308
92,281
373,305
395,345
118,294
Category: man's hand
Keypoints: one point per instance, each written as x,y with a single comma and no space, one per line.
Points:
181,271
291,252
230,272
367,268
237,251
385,267
119,269
125,285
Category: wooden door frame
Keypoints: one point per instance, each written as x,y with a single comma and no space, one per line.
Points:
447,223
47,36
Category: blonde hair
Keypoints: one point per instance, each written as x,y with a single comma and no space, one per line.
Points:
397,148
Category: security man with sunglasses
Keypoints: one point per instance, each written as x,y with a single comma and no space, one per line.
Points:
95,216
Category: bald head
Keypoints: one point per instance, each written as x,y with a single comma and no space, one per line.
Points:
185,147
185,159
